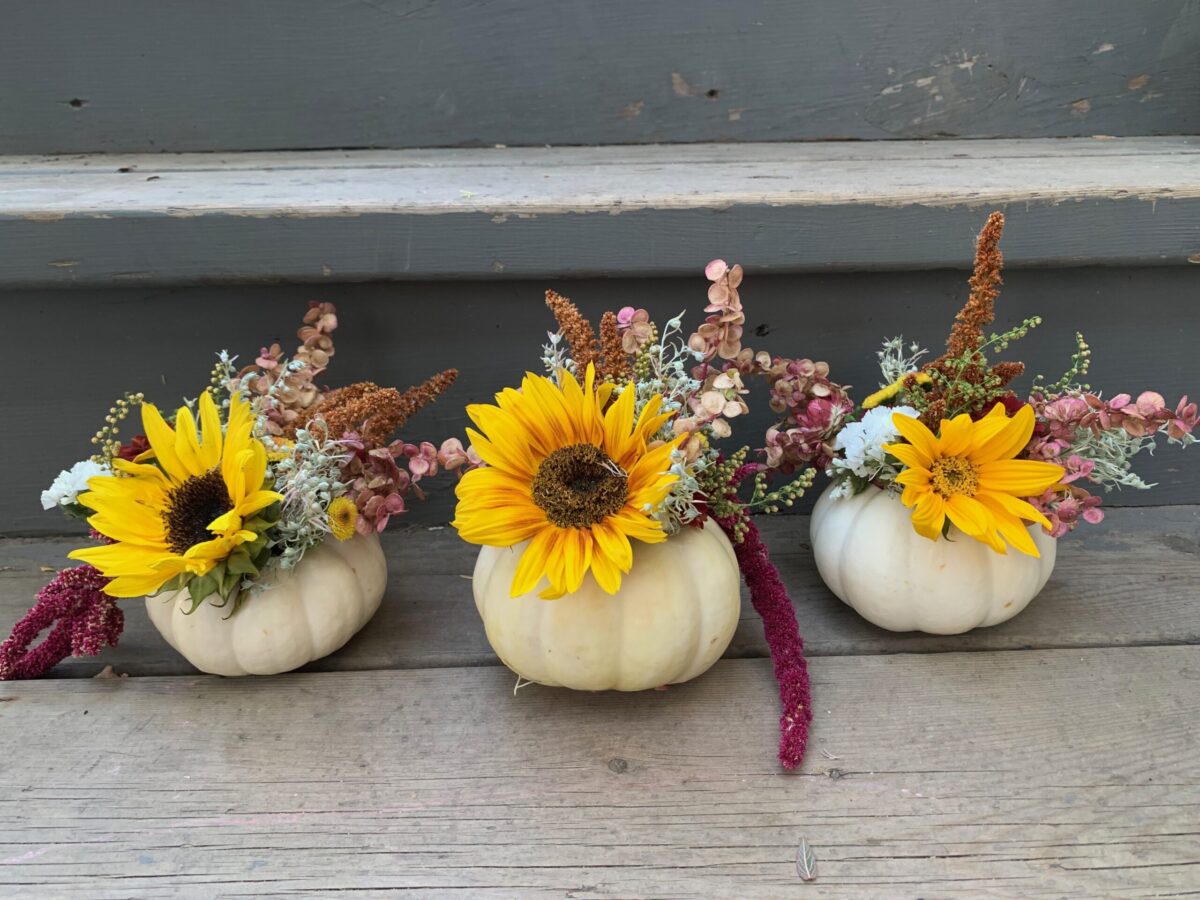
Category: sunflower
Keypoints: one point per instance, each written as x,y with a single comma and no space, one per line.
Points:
569,473
967,474
184,506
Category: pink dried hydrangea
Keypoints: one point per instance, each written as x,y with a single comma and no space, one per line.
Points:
454,458
1141,417
721,333
1069,504
635,328
378,484
813,409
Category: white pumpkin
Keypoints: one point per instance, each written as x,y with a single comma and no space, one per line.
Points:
298,616
870,557
672,618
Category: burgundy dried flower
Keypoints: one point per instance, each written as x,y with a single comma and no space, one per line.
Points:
82,619
135,448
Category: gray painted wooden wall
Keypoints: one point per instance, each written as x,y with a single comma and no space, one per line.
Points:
149,76
72,352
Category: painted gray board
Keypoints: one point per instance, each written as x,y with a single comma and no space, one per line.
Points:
70,353
148,76
534,213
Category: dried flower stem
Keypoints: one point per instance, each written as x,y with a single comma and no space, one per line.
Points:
577,330
82,618
615,365
771,602
770,599
377,412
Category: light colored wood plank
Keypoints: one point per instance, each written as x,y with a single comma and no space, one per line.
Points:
403,73
580,211
1131,580
1046,773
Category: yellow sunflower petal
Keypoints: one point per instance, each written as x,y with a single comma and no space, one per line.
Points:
909,454
1008,441
913,477
929,515
143,585
619,443
968,515
210,432
1019,477
606,573
954,439
1011,528
920,437
912,493
1013,506
187,442
532,565
612,546
162,442
122,558
577,556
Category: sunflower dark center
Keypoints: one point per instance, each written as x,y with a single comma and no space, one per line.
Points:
579,486
191,506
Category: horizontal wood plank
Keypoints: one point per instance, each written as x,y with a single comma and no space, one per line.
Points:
1130,580
590,211
1049,773
145,76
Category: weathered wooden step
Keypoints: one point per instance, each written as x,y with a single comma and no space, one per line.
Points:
428,618
147,76
1065,773
649,210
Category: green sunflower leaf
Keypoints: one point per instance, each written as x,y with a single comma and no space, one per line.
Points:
242,563
201,587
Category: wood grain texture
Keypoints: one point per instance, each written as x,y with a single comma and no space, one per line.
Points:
139,75
1044,773
428,618
1141,324
103,221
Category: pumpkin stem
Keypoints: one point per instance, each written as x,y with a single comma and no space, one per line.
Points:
82,618
771,602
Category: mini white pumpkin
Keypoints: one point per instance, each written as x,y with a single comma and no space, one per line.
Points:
297,616
673,617
870,557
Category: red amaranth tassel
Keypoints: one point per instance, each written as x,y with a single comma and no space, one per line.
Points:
771,602
82,618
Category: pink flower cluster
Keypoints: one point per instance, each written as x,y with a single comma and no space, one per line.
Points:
721,333
718,400
1060,419
82,619
378,484
1145,416
635,328
1066,506
814,409
454,458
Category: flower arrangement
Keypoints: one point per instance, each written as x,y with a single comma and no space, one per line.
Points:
616,445
963,448
968,455
226,493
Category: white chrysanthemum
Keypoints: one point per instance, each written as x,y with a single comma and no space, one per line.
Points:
862,442
71,482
